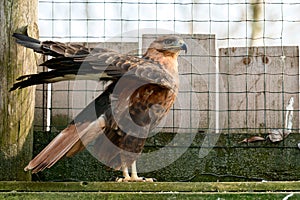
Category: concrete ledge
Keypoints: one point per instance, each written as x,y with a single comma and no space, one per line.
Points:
291,186
159,190
138,195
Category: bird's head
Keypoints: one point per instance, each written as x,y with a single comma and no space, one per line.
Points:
169,44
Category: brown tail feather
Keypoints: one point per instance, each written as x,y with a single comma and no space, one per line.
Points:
85,128
55,150
70,141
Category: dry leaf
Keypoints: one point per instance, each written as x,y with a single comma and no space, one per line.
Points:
252,139
286,133
276,135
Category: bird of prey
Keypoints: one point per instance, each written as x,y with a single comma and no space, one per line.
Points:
140,93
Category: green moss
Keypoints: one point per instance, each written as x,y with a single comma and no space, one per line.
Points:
59,122
292,186
158,196
12,168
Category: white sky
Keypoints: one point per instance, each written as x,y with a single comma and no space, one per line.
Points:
101,20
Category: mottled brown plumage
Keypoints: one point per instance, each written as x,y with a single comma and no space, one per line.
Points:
117,122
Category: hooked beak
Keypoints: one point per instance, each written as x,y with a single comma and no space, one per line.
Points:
183,47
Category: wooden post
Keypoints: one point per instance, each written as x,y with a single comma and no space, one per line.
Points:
17,107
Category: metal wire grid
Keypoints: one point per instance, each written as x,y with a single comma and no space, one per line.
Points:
231,20
235,24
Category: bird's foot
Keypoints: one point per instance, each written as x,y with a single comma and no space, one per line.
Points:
135,179
134,176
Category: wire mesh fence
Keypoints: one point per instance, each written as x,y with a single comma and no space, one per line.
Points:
237,79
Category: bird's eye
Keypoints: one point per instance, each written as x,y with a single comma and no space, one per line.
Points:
168,41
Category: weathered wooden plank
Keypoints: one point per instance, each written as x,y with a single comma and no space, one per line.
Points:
194,109
17,107
259,82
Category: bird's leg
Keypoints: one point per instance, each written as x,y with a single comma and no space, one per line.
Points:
134,177
126,173
126,176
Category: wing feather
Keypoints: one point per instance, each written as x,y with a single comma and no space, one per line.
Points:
87,125
74,61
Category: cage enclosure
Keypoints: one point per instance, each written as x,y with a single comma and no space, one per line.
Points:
236,116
